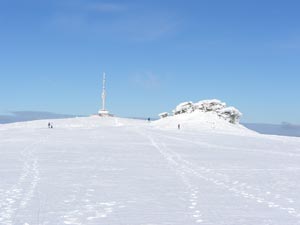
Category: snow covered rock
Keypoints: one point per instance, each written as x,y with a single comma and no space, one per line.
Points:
230,114
214,106
185,107
210,105
163,115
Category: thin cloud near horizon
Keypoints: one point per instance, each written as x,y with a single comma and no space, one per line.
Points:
20,116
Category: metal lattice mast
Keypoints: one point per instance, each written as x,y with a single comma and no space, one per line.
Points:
103,93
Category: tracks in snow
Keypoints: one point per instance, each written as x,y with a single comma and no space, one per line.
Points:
186,169
83,209
182,172
20,194
249,150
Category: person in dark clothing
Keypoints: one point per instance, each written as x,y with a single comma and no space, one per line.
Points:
49,125
178,126
149,119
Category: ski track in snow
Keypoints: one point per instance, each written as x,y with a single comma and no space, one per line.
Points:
241,184
195,213
206,144
86,210
19,195
242,189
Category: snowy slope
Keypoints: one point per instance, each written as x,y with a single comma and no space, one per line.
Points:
201,121
113,171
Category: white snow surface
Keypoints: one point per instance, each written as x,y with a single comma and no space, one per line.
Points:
114,171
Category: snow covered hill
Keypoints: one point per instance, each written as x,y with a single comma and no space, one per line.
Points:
201,122
203,107
114,171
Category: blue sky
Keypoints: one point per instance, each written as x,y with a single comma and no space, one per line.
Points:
156,54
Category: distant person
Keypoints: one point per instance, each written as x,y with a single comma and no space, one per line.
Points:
178,126
49,125
149,119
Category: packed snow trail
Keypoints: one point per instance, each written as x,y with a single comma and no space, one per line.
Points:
114,171
222,180
15,198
